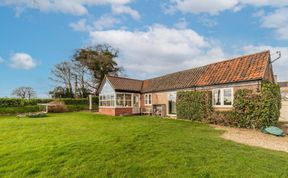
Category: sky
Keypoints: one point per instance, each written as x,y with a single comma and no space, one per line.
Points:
154,37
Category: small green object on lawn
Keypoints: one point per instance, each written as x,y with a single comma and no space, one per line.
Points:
274,131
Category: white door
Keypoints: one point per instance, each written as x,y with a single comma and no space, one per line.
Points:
136,103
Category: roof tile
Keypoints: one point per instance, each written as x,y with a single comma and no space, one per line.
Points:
243,68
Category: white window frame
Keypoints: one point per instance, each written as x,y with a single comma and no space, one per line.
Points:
148,99
222,97
101,100
124,100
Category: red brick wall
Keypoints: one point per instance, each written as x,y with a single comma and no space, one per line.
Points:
123,111
116,111
107,111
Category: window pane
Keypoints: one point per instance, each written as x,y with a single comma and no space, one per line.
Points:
112,100
150,99
172,107
120,100
227,97
135,101
128,101
217,97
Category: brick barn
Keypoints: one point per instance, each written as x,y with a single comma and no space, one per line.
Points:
126,96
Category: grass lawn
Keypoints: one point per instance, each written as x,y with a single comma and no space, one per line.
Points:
89,145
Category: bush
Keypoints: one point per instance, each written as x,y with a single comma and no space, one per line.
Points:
17,102
37,115
251,110
225,118
257,110
57,107
194,105
72,108
19,110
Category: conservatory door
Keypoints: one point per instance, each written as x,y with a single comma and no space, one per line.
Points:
136,104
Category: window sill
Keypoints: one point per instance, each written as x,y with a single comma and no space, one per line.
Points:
223,106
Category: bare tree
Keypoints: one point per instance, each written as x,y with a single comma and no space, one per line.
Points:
62,73
82,79
24,92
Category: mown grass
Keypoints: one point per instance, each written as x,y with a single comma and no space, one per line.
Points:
89,145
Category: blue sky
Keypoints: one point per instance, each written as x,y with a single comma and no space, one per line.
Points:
154,37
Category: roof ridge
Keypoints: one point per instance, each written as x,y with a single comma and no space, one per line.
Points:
199,67
125,78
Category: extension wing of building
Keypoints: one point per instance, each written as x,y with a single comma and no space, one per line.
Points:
125,96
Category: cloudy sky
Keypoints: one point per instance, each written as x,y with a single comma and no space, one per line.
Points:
154,37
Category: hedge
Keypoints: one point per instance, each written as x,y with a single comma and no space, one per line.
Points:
19,110
15,102
17,106
251,109
257,110
194,105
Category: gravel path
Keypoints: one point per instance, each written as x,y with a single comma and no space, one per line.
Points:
284,111
254,138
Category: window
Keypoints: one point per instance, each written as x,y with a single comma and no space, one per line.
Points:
106,100
172,107
120,99
227,96
124,100
172,103
128,100
223,97
148,99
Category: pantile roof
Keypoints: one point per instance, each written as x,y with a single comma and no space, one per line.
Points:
244,68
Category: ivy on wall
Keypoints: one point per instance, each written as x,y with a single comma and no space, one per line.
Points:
251,109
256,110
194,105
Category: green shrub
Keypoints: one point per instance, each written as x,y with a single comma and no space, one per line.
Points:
193,105
225,118
57,106
19,110
271,104
256,110
72,108
37,115
16,102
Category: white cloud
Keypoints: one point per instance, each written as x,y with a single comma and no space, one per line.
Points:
208,6
80,25
213,7
22,61
121,9
278,20
104,22
181,24
280,66
75,7
159,50
1,60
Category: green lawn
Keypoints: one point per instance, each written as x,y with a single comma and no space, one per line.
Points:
89,145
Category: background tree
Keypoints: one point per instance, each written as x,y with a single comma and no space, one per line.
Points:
24,92
58,92
82,80
83,74
100,60
62,73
